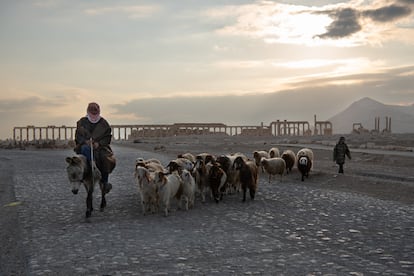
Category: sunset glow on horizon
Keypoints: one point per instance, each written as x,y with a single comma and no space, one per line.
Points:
133,56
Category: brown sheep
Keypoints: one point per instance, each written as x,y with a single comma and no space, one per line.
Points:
217,178
258,155
248,176
290,159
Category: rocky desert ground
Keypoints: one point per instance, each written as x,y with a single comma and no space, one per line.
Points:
37,213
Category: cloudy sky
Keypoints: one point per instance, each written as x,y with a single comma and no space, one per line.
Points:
230,61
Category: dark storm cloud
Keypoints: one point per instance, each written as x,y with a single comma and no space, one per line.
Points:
346,21
389,13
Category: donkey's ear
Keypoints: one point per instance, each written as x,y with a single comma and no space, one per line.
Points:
76,160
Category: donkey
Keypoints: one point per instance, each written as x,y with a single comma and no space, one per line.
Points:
79,171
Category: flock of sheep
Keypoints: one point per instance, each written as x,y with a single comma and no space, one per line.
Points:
207,175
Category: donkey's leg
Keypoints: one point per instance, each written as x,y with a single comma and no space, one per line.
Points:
89,206
103,201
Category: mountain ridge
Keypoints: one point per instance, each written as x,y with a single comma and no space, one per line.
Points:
365,110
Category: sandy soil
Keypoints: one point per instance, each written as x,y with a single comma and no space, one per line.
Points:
376,168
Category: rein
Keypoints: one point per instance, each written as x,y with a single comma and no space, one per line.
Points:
92,160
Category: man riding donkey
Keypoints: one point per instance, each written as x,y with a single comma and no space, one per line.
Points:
93,132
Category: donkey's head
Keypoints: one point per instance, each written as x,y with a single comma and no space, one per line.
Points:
75,170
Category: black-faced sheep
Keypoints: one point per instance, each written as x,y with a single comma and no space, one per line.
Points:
304,166
180,164
274,152
274,166
248,176
206,157
305,152
290,159
304,159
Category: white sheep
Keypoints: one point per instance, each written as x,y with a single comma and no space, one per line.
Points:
274,152
147,189
274,166
188,156
188,194
169,186
151,164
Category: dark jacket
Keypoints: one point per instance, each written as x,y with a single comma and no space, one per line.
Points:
100,132
340,150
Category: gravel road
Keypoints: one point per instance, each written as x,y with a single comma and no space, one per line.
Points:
291,228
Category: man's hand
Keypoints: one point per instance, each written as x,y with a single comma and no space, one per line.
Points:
93,144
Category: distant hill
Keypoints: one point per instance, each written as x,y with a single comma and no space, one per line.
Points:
365,111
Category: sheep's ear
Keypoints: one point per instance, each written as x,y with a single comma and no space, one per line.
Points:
69,160
163,178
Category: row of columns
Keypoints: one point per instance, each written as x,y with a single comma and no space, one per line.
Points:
33,133
127,132
387,124
290,128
